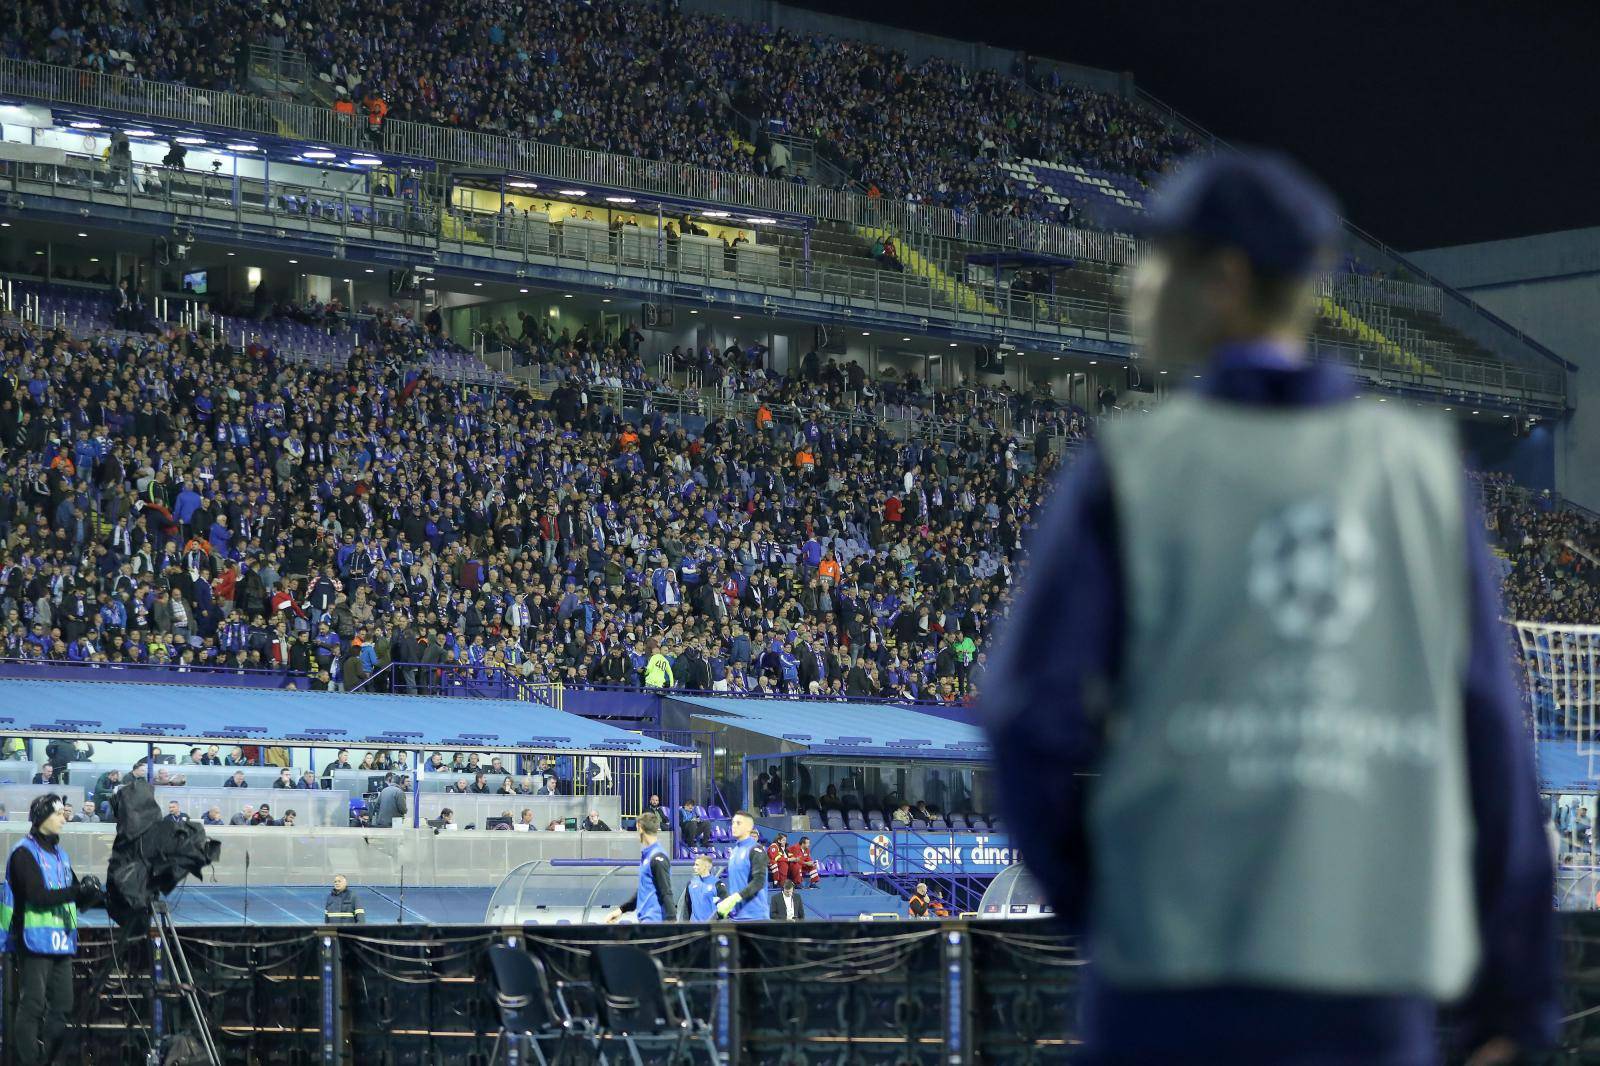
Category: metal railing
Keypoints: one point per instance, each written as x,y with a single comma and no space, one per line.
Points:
441,144
1426,299
281,68
630,253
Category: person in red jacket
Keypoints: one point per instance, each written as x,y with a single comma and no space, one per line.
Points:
778,859
802,867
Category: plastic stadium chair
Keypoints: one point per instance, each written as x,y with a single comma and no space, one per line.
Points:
715,812
854,820
528,1014
634,1007
875,820
817,824
919,822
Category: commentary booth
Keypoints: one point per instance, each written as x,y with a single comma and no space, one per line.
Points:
595,767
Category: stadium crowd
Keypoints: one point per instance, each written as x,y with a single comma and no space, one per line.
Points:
176,500
639,79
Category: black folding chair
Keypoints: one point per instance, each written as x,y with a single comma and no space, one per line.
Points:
630,992
528,1014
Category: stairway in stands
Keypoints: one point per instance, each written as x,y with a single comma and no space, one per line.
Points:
945,285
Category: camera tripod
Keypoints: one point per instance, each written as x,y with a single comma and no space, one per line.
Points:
171,978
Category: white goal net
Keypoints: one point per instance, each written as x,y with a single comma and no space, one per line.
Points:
1560,664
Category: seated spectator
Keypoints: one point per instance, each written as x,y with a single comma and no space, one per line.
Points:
557,825
46,775
175,812
920,905
86,813
340,762
285,779
287,819
594,823
446,820
213,816
236,757
211,758
460,786
508,787
526,822
308,779
263,816
694,825
480,784
167,777
246,816
236,781
901,818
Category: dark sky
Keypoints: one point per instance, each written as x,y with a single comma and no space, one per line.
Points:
1436,123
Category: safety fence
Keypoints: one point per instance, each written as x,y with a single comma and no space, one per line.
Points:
994,991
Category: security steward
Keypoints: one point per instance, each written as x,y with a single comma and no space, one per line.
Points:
343,906
747,875
704,890
39,918
653,900
1258,625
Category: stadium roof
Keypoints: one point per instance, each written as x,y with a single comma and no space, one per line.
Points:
878,730
99,710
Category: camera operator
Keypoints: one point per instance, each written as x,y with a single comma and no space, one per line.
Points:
39,906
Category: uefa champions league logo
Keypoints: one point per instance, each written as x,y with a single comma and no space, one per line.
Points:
1312,573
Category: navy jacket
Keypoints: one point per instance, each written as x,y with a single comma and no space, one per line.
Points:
1066,633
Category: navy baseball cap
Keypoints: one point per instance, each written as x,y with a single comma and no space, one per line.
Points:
1284,220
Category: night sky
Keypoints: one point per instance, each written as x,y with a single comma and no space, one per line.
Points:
1435,123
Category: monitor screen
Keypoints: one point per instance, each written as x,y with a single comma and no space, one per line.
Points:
195,281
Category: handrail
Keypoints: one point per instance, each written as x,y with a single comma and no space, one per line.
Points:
441,144
209,198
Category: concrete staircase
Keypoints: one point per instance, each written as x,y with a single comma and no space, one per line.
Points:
959,294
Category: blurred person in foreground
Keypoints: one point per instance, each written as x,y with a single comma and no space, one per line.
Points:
1257,667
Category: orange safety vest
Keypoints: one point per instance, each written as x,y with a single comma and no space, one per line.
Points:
345,107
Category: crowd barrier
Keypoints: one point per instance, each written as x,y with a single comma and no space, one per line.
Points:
887,994
312,807
476,810
14,799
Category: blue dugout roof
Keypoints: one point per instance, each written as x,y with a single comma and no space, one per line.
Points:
878,730
96,710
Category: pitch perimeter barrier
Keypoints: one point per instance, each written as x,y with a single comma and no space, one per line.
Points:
995,992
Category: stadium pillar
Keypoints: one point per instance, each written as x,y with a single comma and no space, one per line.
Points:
416,789
957,996
332,1013
725,1012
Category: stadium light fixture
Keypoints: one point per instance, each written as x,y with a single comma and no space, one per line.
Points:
1381,399
230,254
522,290
606,300
1092,362
86,125
620,200
241,147
715,214
566,296
346,280
570,192
1474,412
523,184
294,262
905,339
1163,371
85,235
140,133
366,161
320,153
94,259
758,220
477,284
864,333
692,312
369,270
952,344
191,140
1057,358
5,225
738,318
